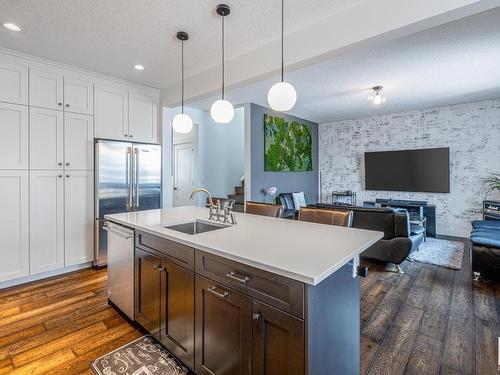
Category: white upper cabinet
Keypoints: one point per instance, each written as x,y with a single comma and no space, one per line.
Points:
13,82
13,136
46,88
111,112
46,139
14,221
78,142
46,221
78,95
143,117
79,217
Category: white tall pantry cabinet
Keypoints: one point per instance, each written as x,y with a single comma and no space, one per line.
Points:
49,117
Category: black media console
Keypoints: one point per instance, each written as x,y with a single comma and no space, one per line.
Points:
418,208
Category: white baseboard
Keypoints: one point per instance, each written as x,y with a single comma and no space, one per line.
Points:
27,279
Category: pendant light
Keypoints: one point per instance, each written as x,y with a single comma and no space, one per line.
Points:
377,98
282,95
222,111
182,123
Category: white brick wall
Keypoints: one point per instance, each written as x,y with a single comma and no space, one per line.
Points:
471,131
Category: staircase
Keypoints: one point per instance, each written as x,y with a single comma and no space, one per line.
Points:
239,197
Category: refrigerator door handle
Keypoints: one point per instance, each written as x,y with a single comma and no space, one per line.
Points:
130,181
136,178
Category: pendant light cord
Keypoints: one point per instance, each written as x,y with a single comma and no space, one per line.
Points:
223,80
182,75
282,42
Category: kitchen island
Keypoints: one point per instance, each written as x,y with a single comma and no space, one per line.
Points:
264,296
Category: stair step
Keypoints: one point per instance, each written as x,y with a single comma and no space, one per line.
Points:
239,190
238,198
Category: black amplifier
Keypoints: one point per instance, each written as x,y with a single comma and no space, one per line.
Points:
491,210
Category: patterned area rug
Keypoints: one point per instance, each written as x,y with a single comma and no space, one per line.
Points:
143,356
442,253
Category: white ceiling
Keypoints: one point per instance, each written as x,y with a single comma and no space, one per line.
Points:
113,35
453,63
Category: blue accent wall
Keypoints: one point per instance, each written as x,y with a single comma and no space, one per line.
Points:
286,182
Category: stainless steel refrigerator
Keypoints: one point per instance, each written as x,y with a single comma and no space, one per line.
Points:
127,178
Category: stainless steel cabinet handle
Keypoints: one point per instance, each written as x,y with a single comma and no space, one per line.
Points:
130,201
213,290
232,275
118,233
256,316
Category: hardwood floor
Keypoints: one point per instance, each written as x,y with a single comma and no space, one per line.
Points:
430,320
59,325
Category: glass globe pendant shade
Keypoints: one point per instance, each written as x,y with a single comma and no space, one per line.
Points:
182,123
377,99
282,96
222,111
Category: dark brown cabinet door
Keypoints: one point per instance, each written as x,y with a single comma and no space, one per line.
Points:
223,330
177,311
147,291
278,342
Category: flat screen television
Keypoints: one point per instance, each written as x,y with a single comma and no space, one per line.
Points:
423,170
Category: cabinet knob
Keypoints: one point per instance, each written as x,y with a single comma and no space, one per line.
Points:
67,105
67,164
59,104
125,135
60,176
67,176
130,136
256,316
59,164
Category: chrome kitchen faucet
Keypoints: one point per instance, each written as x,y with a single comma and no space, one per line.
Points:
227,214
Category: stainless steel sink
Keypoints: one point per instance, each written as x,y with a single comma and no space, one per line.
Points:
196,227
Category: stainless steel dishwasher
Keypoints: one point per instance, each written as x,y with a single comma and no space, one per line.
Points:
121,267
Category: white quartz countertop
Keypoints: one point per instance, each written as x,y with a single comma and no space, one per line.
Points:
302,251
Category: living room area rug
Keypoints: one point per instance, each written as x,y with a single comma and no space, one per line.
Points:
444,253
143,356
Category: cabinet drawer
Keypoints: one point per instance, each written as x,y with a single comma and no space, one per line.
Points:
173,251
278,291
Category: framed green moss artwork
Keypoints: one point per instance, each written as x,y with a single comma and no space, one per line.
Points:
287,145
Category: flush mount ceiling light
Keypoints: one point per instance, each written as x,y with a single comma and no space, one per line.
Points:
282,95
182,123
138,67
222,111
12,26
377,98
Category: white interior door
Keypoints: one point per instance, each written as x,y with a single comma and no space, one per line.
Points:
46,89
46,138
78,217
13,136
78,142
183,174
14,221
46,221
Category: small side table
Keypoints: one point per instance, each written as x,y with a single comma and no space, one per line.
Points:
420,221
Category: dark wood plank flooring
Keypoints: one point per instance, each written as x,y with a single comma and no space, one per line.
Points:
59,325
430,320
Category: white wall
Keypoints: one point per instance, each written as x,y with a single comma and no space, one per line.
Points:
471,131
221,155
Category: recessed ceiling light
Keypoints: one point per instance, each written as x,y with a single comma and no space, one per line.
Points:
138,67
12,26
